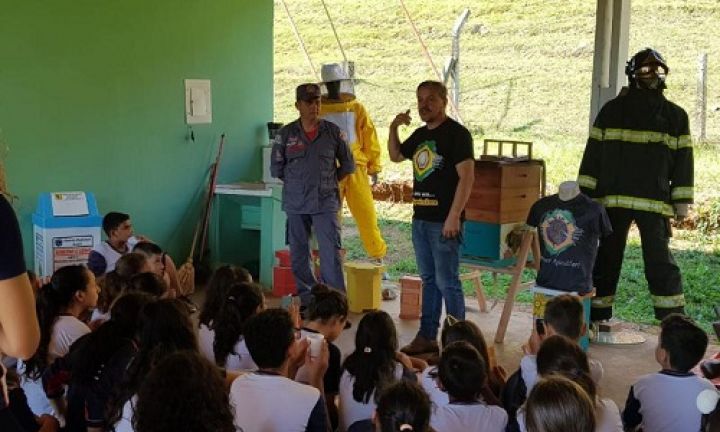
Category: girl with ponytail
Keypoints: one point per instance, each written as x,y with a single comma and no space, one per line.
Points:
463,374
559,355
164,327
229,349
71,293
374,364
402,407
95,366
216,296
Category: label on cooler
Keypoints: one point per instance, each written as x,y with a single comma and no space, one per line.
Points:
73,250
69,204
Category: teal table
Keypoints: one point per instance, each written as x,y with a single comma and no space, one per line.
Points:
248,225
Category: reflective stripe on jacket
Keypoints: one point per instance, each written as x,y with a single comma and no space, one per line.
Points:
639,154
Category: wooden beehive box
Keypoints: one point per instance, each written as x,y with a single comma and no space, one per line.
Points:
504,191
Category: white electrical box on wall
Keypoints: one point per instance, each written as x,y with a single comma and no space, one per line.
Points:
198,101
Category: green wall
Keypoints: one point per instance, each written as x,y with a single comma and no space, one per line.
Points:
92,98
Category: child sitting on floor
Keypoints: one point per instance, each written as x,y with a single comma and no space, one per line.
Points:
666,401
217,292
564,316
268,400
462,373
561,356
71,293
326,314
161,264
95,366
375,363
464,330
229,347
402,407
120,240
186,383
115,283
164,327
557,404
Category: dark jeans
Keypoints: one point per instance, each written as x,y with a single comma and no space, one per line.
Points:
438,261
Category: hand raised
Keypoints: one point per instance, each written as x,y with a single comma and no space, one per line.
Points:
401,119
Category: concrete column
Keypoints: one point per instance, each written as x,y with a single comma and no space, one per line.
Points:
612,32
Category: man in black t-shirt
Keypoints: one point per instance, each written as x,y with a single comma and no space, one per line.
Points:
443,171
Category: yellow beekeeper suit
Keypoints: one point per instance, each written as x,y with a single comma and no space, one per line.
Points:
352,118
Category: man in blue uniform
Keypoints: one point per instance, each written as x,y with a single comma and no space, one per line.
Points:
311,156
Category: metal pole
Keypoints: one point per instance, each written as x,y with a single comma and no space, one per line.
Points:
455,71
607,44
701,105
300,40
332,25
429,57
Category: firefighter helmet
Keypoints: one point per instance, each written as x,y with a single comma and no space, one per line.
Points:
647,69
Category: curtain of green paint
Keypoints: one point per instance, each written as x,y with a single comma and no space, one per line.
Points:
92,98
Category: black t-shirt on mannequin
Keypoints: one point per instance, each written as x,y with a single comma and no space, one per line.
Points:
570,232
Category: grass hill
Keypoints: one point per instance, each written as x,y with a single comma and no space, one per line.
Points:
525,74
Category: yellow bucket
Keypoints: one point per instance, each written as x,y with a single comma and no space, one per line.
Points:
364,283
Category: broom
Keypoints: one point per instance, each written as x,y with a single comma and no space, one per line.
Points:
186,272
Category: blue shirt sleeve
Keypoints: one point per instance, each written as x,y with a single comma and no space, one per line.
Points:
318,420
631,416
97,263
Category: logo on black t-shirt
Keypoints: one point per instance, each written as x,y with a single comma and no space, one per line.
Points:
559,230
426,160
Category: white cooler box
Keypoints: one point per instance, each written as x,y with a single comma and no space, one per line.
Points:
66,227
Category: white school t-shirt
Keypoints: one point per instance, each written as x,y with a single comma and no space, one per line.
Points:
125,422
668,401
66,330
607,418
528,369
110,254
99,316
242,361
351,410
438,398
465,417
265,403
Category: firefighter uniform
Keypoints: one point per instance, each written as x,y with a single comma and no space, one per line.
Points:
638,163
310,169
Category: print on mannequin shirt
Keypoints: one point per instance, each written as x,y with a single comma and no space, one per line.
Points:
559,231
